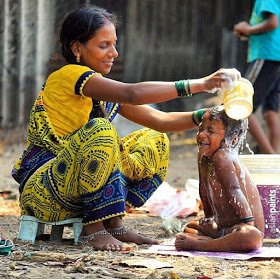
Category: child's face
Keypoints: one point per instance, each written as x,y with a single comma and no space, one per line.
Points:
210,135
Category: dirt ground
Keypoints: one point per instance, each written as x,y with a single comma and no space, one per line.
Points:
49,260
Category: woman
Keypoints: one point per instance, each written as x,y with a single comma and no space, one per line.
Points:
75,163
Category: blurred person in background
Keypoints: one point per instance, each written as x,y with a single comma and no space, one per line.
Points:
263,32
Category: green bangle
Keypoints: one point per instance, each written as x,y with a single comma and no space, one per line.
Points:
199,114
181,89
189,88
193,119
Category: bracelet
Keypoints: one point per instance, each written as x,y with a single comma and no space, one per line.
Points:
247,219
181,90
189,88
117,231
199,114
193,119
180,87
88,238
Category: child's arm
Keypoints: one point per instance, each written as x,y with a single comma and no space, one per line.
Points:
202,170
207,225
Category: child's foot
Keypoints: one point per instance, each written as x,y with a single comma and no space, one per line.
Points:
126,235
184,242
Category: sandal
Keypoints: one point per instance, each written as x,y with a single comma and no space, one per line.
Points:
6,246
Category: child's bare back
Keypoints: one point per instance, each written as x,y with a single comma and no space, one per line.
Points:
233,211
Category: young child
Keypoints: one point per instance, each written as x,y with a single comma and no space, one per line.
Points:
234,218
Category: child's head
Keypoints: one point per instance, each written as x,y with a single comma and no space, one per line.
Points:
217,130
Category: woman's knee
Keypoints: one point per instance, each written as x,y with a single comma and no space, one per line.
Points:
161,139
97,138
98,125
159,135
165,139
98,129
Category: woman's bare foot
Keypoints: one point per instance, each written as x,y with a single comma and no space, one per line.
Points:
96,236
104,243
126,235
116,228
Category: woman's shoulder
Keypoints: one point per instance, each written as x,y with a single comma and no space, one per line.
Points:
70,75
71,69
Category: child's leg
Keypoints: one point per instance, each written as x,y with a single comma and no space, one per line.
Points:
259,135
243,238
273,122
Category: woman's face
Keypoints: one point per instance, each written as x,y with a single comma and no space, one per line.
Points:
100,51
210,135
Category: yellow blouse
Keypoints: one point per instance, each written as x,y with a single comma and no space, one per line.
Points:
67,108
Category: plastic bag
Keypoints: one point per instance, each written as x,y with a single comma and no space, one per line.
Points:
167,202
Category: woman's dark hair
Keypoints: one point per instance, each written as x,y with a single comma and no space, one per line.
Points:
81,25
232,126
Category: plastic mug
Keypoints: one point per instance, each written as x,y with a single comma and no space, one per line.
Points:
238,101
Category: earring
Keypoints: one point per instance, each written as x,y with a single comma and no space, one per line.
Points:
78,58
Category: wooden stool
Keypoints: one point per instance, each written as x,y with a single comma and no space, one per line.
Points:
30,227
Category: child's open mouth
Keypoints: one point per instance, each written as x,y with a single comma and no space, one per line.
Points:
202,144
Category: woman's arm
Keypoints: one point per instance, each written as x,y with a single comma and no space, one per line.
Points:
101,88
161,121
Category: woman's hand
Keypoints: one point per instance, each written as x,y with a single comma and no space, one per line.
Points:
214,82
